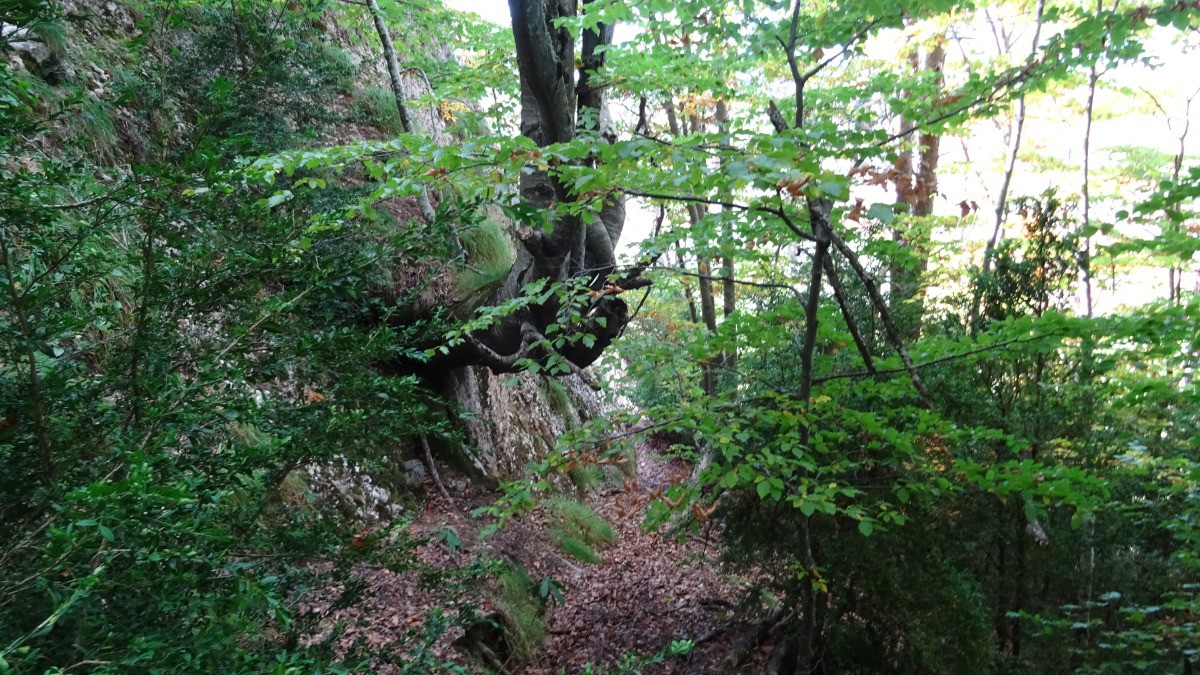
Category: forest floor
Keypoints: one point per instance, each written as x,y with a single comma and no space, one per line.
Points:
649,590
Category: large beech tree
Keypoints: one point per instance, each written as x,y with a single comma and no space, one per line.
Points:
561,100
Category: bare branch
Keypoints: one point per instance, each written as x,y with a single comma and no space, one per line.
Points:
885,315
740,282
87,202
1013,80
934,362
433,472
812,72
778,213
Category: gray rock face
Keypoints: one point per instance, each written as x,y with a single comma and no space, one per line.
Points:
351,491
414,473
513,420
26,51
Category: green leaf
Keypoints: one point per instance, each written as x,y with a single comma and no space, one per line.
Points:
884,213
834,189
763,488
279,198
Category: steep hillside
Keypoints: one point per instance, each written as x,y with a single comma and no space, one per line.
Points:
200,367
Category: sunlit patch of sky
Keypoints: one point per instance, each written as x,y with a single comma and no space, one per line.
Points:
495,11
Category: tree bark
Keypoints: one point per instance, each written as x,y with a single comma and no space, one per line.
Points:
554,110
916,190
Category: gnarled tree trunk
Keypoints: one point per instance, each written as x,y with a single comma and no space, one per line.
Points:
555,109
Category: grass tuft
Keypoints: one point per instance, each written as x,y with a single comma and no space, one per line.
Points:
588,477
526,629
578,521
91,125
490,256
574,547
377,107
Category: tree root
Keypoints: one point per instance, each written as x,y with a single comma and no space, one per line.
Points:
433,472
752,638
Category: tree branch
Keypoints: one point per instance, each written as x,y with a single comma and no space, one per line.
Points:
839,294
778,213
885,315
1003,84
812,72
88,202
740,282
933,362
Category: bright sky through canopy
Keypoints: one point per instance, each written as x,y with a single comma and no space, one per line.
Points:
492,10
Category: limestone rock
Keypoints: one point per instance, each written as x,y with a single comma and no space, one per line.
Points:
513,420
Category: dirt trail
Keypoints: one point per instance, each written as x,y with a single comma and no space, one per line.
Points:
648,591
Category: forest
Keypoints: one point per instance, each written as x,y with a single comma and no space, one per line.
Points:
599,336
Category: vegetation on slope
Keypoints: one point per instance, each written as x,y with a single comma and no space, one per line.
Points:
926,455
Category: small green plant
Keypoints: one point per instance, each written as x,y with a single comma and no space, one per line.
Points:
578,531
377,107
523,610
633,663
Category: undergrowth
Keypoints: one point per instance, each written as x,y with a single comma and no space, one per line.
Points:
377,107
526,629
578,530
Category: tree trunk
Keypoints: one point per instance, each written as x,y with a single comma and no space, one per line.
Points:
728,266
916,188
554,110
401,97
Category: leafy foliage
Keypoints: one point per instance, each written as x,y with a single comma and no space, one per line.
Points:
174,349
1000,485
